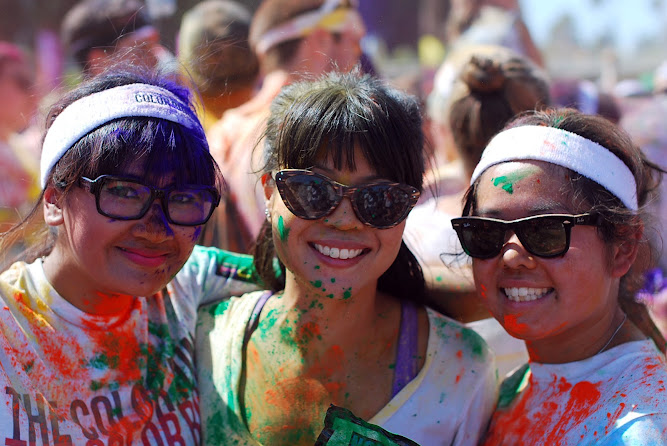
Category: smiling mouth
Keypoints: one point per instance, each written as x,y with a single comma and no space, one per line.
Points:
524,294
338,253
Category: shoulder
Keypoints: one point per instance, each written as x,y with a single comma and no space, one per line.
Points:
233,310
451,335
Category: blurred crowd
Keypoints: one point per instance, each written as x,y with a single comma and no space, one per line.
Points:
236,60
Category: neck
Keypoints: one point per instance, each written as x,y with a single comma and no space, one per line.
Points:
92,301
607,333
336,320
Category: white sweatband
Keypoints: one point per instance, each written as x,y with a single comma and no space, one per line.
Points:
90,112
330,16
565,149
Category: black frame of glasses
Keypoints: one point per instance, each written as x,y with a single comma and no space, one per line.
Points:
343,191
95,187
567,220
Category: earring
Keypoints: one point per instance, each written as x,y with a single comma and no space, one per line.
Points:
268,214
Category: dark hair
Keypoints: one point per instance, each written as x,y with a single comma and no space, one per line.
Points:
99,24
113,147
271,14
213,45
618,222
491,89
337,113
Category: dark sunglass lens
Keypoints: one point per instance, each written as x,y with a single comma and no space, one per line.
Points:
382,205
123,199
545,237
190,206
482,239
308,196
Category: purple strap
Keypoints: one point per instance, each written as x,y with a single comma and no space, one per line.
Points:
254,316
407,356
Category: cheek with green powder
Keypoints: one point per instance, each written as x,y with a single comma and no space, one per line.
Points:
283,232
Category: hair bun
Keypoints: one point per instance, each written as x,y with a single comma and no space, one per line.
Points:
483,74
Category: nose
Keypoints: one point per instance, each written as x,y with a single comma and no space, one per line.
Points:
154,226
514,255
343,217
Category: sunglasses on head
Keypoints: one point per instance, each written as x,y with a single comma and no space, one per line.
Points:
311,196
541,235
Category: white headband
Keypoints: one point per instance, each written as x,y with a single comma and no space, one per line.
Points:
565,149
330,16
88,113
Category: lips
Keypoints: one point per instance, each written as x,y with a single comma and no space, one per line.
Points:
145,257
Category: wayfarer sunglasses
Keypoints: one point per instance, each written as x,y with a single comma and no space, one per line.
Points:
541,235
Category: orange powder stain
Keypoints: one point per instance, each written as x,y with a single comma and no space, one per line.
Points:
512,325
308,331
482,291
611,418
459,354
583,397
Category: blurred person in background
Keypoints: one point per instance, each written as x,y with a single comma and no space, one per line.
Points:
99,33
491,85
293,39
586,97
646,125
215,56
19,163
490,22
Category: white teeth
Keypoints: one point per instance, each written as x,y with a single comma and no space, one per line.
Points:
524,294
337,253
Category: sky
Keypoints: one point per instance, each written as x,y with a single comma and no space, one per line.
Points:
629,20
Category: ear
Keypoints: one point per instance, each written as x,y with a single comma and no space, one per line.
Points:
53,213
625,254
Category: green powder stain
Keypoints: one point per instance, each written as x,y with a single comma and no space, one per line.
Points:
333,280
442,397
474,341
27,367
438,279
282,231
506,182
392,366
317,266
316,283
330,296
347,293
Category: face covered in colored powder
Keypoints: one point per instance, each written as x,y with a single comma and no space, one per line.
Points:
537,298
103,255
337,255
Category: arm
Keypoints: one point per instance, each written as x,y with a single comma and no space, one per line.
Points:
213,274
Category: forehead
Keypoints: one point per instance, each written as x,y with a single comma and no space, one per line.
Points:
522,188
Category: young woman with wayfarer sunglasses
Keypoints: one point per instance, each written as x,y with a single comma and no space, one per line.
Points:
343,168
553,221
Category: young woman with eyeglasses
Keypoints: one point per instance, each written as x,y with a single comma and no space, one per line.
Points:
553,221
97,322
343,168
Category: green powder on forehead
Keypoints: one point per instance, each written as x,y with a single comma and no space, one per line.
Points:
506,182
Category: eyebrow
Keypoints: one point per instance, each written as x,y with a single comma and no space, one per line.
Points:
329,171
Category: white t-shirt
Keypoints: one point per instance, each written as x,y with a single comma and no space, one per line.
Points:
615,398
67,377
448,403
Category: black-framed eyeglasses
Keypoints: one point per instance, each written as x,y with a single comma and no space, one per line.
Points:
127,199
541,235
311,196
